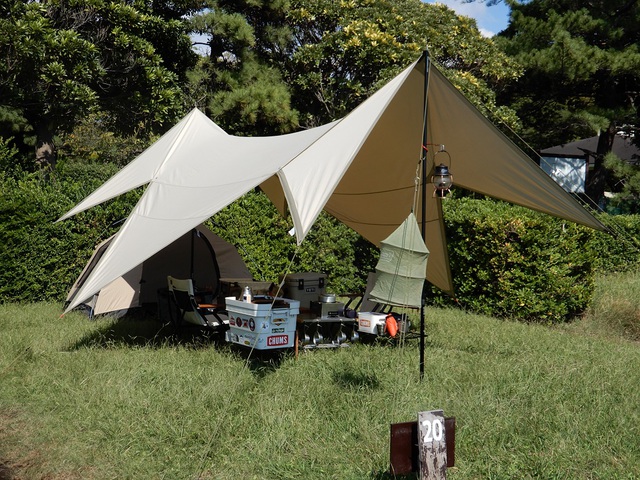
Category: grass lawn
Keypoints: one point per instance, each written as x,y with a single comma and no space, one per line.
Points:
126,399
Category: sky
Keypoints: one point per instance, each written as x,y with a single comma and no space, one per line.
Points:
490,20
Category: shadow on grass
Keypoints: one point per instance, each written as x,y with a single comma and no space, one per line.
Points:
142,329
261,362
353,380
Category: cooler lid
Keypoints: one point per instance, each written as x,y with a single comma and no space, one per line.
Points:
308,278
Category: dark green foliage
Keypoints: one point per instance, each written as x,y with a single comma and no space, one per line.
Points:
344,51
91,141
63,60
625,183
581,61
9,158
253,224
620,251
238,84
40,259
511,262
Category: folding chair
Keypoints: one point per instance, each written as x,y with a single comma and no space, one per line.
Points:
190,310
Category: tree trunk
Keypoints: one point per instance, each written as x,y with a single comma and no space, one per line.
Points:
45,148
597,178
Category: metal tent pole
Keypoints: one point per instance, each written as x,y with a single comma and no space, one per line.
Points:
423,193
191,267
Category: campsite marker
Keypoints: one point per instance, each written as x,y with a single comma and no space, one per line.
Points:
432,446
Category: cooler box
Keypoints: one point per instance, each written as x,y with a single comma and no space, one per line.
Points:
305,287
371,322
259,326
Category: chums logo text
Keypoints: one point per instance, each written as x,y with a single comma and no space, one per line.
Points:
277,340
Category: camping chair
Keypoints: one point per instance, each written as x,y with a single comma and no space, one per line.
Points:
190,310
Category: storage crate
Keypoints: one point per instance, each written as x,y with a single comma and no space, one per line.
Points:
259,325
305,287
371,322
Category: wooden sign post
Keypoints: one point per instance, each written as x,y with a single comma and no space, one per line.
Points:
432,446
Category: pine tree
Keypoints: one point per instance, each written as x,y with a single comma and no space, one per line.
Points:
582,72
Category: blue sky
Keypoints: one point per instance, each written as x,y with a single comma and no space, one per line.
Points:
491,20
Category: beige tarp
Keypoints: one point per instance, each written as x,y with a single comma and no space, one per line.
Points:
361,169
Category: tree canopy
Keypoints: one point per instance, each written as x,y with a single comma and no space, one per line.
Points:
237,84
343,51
66,58
278,66
582,70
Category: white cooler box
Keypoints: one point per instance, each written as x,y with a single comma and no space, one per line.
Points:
259,326
371,322
305,287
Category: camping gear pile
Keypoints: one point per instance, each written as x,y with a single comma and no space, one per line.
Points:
323,320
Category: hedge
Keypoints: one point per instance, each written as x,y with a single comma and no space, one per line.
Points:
506,261
512,262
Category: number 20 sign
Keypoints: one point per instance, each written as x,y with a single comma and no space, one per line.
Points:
432,445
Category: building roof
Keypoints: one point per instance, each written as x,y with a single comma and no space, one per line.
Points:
623,147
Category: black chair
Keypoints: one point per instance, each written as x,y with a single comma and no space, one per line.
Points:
192,311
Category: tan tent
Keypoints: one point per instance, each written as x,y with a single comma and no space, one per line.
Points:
198,254
361,169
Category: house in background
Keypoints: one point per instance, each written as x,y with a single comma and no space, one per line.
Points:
571,163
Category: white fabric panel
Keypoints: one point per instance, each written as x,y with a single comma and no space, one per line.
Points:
120,294
140,171
203,175
311,178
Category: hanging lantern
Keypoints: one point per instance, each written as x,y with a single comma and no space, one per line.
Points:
442,178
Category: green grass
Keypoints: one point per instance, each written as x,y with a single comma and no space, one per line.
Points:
125,399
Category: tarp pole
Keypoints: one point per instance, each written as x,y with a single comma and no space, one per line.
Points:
423,193
193,235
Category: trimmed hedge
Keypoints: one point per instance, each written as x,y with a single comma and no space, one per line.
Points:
40,259
620,250
509,261
253,224
506,261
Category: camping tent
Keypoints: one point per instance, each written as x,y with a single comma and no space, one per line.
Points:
361,169
198,254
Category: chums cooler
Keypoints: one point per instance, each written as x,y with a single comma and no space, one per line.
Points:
262,324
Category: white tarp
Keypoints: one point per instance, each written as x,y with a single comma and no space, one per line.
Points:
361,169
